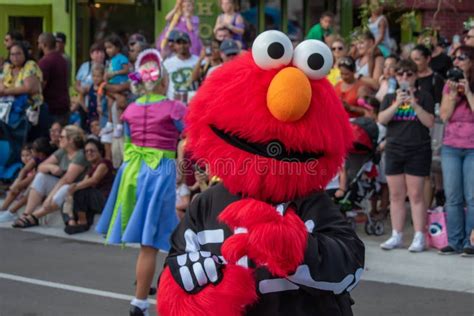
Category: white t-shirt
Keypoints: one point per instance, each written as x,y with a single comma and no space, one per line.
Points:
181,191
179,72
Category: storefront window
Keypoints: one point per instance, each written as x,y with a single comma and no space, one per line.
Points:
97,19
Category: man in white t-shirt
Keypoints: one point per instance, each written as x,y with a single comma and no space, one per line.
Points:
180,67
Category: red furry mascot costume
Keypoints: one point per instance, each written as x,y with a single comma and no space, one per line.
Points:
267,240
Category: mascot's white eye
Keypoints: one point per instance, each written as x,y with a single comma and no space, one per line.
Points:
272,49
314,58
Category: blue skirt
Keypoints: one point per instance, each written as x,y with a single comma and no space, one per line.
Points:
154,216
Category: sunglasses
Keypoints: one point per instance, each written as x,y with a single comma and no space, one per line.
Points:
346,62
461,57
408,73
337,48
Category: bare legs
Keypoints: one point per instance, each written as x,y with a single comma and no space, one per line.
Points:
145,271
34,200
400,186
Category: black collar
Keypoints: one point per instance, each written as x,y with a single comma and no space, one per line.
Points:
273,149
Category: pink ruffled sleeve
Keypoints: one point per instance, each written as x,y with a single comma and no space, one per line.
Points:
179,111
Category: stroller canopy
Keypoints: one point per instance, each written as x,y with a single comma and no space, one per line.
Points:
366,134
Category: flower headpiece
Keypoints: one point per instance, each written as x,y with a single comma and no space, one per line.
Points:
152,74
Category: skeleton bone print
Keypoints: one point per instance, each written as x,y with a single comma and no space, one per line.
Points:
333,262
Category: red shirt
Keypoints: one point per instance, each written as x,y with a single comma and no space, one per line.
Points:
55,93
349,96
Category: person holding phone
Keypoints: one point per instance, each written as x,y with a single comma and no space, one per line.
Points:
408,114
210,57
457,153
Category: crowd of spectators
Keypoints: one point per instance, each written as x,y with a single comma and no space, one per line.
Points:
76,134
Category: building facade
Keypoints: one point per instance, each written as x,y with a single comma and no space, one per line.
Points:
85,21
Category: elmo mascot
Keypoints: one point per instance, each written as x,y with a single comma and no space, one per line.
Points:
267,240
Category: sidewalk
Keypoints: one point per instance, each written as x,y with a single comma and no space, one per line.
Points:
426,269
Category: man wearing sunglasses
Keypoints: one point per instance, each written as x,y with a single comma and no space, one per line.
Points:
408,115
180,68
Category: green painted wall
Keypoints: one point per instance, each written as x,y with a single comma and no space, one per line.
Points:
55,18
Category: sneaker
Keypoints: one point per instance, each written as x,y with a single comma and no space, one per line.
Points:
418,243
137,311
448,250
7,216
393,242
118,131
468,252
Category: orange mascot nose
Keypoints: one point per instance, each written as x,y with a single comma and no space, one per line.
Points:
289,95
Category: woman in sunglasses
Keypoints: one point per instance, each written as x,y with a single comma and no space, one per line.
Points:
90,194
349,88
457,154
338,51
408,114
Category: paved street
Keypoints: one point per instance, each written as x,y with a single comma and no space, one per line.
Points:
43,275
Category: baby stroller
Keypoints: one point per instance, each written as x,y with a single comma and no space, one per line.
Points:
14,127
361,174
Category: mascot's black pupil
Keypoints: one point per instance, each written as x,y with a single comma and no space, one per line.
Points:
315,61
276,50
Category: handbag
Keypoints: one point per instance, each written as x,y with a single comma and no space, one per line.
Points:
6,104
12,108
437,229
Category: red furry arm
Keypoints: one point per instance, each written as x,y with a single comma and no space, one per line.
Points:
195,281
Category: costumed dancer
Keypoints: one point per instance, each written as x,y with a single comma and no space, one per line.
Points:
267,240
141,206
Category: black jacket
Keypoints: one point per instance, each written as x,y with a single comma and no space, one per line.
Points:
333,263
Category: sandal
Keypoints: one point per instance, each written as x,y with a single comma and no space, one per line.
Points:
25,222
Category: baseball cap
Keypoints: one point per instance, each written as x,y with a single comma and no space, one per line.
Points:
60,37
229,47
136,37
172,35
183,36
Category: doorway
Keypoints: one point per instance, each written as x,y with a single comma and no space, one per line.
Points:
30,27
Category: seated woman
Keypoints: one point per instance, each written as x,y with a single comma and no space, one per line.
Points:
55,134
50,186
91,193
350,88
180,18
231,20
18,192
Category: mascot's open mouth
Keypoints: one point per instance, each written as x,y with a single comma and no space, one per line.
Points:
273,149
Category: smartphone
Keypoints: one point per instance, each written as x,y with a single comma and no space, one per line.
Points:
456,39
199,169
404,86
208,51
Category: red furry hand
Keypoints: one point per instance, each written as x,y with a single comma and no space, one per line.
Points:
267,238
229,297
